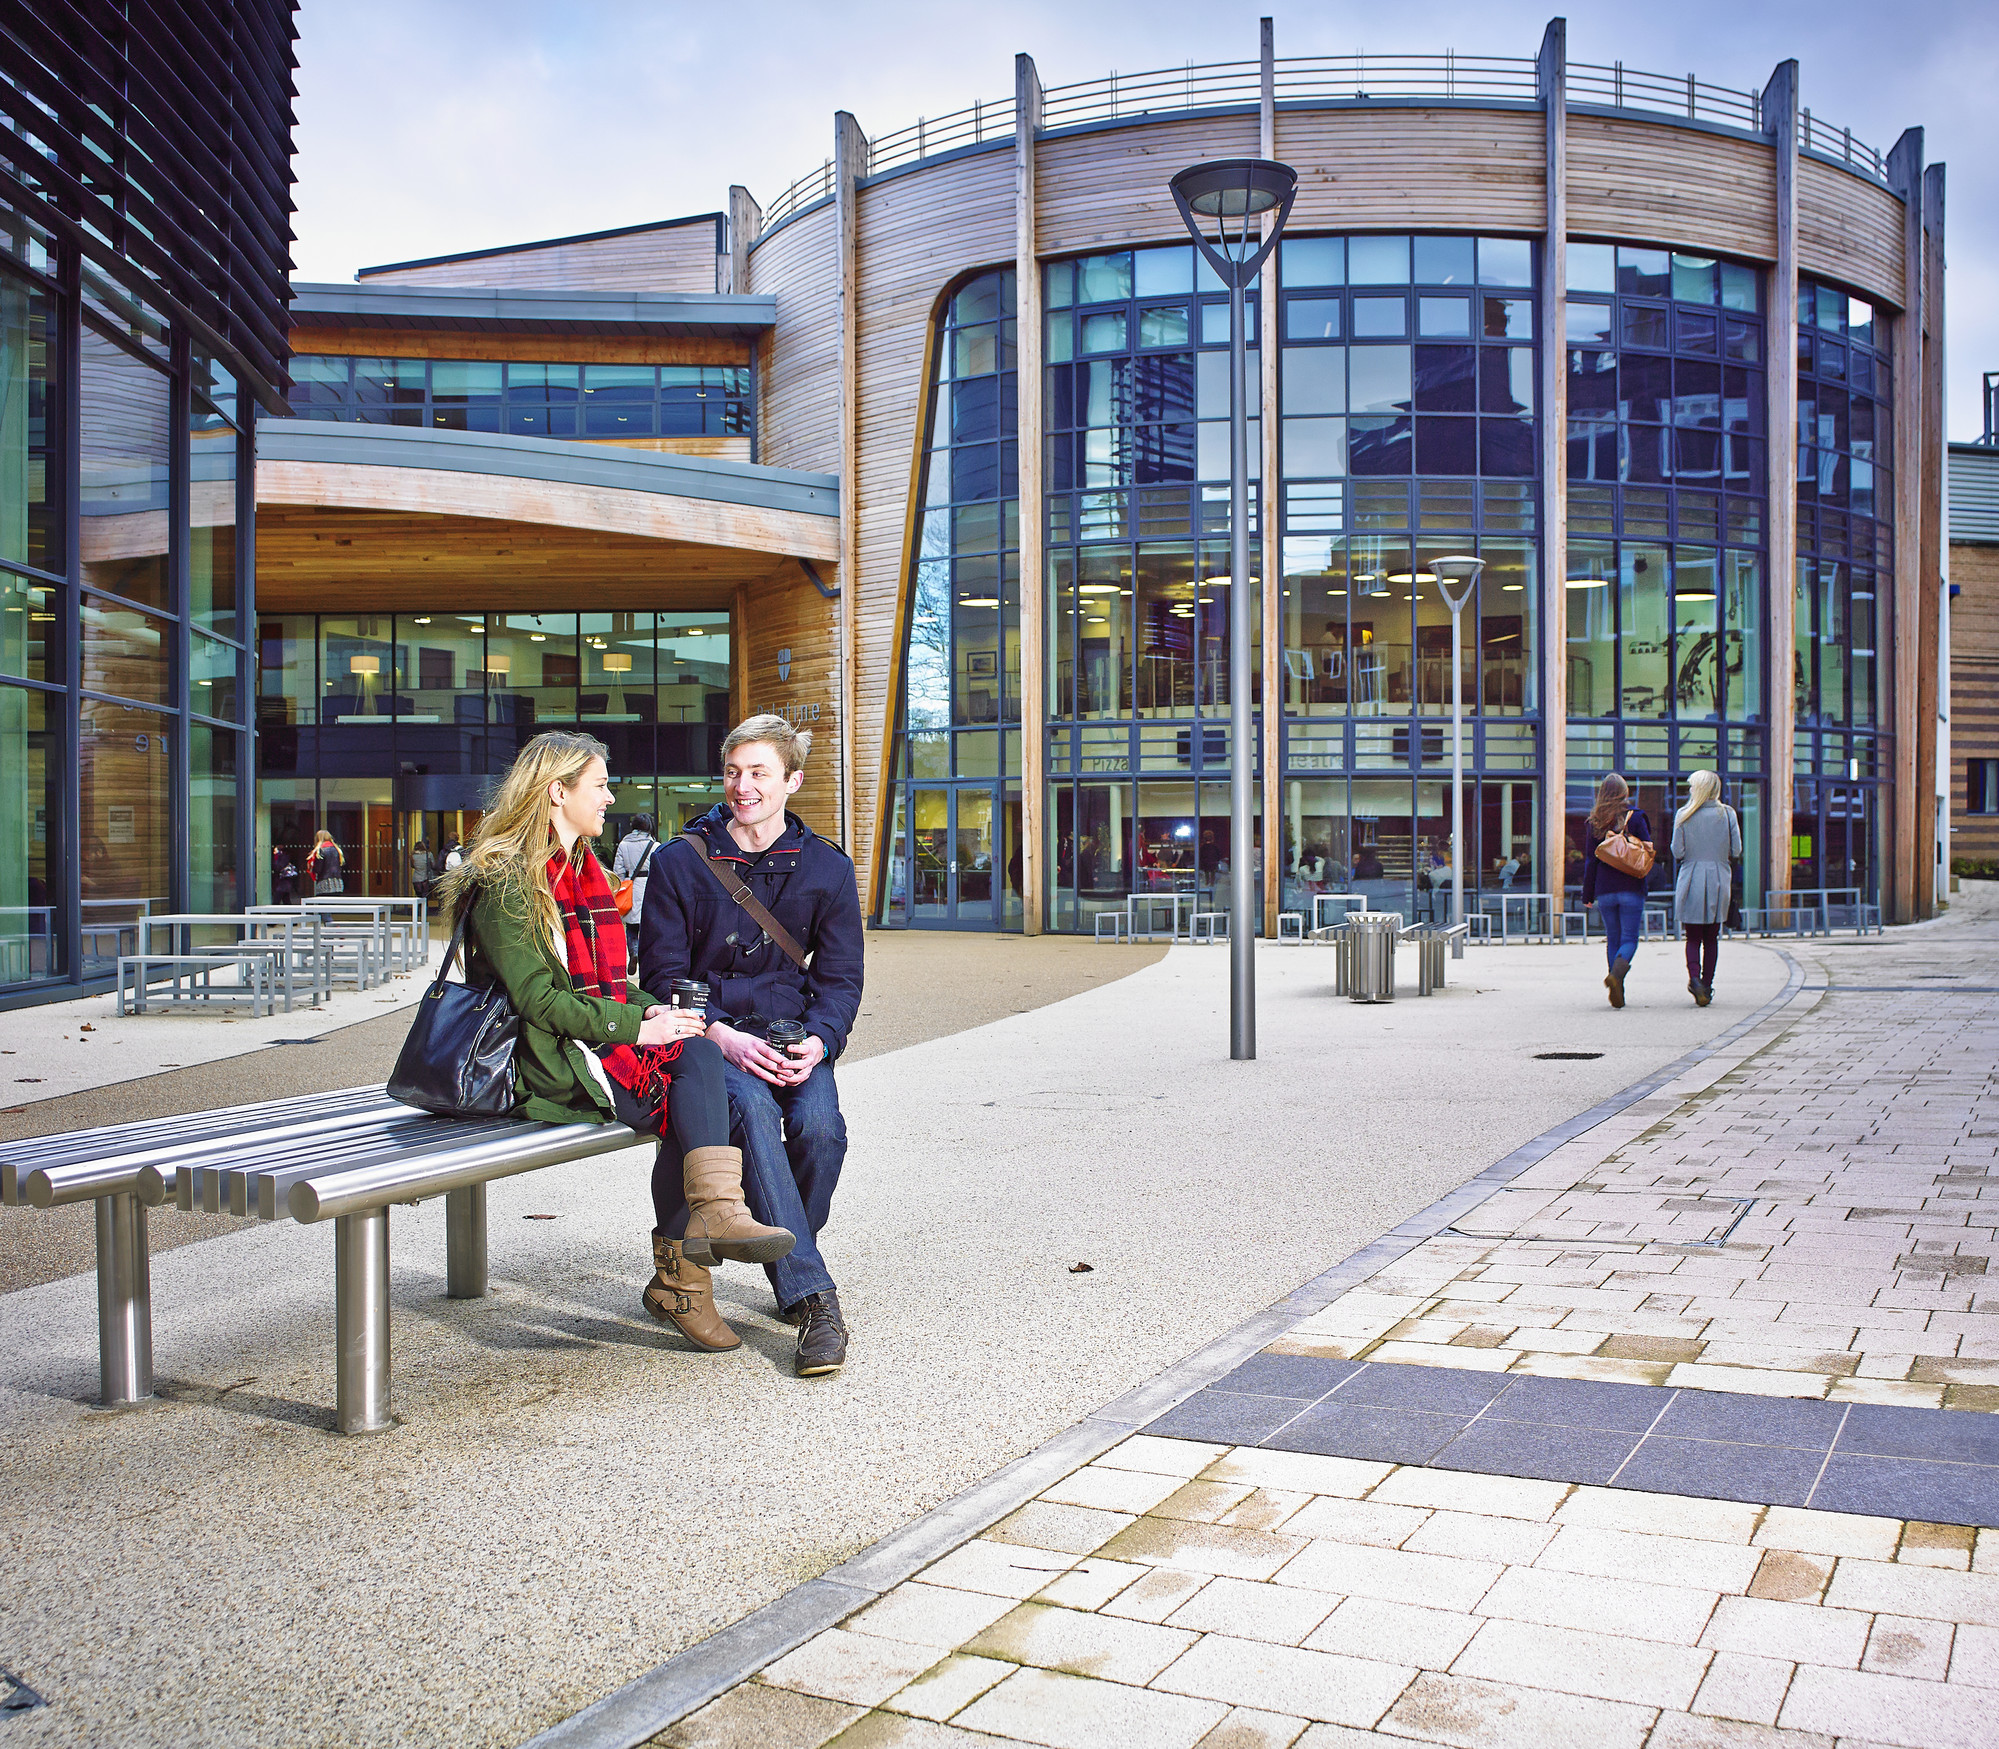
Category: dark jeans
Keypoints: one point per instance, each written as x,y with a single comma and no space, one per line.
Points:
794,1142
1703,944
696,1115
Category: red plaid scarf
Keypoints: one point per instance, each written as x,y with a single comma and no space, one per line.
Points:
594,937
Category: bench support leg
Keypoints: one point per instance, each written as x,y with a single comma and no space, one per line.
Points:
124,1301
465,1243
361,1296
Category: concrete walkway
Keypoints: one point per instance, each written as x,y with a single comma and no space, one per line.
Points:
1297,1582
575,1498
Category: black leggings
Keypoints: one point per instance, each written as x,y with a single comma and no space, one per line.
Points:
696,1114
1703,944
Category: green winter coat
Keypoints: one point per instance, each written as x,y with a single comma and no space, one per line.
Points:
504,942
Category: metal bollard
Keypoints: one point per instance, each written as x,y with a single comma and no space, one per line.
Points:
124,1301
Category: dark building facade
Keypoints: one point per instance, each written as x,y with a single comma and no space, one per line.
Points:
145,238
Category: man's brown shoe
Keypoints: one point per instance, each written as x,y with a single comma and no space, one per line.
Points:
682,1294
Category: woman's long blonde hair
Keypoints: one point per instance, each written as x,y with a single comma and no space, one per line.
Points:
510,851
1703,787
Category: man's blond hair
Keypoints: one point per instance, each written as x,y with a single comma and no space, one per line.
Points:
792,744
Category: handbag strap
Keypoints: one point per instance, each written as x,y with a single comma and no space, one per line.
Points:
740,892
457,944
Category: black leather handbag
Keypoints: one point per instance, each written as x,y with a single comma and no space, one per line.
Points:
458,1060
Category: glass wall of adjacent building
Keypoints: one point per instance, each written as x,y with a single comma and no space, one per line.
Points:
1667,552
527,400
387,730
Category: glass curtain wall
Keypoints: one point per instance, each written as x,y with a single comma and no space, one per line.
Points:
954,839
1667,551
388,729
1137,592
1408,381
1845,493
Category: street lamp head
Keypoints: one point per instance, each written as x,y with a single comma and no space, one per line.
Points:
1455,576
1230,188
1231,192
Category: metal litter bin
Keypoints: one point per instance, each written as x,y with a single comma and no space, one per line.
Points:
1370,949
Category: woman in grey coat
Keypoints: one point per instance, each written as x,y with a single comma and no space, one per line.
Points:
1707,838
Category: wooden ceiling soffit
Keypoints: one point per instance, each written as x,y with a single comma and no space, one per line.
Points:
552,504
361,561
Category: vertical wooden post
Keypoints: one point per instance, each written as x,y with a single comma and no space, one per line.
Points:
1901,634
1930,680
1270,513
1033,514
1551,79
850,164
739,653
1780,122
746,223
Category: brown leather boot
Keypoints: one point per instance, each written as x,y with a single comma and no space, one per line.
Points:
681,1294
719,1224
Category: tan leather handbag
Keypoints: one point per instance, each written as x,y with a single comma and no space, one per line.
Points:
1626,854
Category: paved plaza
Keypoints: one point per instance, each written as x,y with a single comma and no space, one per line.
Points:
1135,1505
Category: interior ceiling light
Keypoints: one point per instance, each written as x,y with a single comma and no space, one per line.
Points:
422,619
1588,583
537,637
978,601
1693,595
1512,588
1100,589
1412,577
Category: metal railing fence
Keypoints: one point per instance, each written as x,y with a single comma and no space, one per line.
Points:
1308,79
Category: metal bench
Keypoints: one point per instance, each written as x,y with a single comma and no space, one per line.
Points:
1291,926
190,979
247,1160
1119,930
1208,927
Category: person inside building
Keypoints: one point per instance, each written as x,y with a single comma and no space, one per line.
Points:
592,1048
423,868
792,953
632,863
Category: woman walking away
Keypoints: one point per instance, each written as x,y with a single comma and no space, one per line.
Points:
1707,837
1619,898
594,1048
325,865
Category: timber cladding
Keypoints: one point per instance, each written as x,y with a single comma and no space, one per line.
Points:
338,340
1974,689
787,641
798,376
680,256
1655,182
1850,231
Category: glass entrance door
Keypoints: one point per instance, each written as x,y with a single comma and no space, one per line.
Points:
952,847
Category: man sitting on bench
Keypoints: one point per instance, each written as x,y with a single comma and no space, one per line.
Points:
757,906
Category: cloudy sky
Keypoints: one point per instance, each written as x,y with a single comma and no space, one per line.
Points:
431,126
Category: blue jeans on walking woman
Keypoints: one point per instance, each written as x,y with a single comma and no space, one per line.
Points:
1623,914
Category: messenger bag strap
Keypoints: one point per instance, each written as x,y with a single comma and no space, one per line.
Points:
741,893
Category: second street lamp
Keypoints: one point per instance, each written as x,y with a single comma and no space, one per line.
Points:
1456,577
1221,202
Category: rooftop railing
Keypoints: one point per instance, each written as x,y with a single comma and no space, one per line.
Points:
1355,78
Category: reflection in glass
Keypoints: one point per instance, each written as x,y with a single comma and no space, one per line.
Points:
1643,612
31,832
30,530
125,439
1592,617
126,651
124,805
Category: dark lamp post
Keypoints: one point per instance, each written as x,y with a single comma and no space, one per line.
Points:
1456,577
1222,202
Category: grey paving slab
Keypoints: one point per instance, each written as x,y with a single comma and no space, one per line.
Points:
1539,1451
